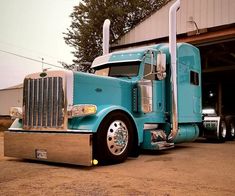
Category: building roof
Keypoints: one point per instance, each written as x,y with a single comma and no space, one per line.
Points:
194,15
19,86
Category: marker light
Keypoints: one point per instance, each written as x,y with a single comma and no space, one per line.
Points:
81,110
95,162
16,112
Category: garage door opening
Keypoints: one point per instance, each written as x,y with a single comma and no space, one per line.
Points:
218,78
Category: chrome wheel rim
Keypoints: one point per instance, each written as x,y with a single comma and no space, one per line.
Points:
232,130
224,131
117,137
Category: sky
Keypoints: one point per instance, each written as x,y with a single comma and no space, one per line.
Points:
32,29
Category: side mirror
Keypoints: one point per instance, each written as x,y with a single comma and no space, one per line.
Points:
158,69
149,71
161,66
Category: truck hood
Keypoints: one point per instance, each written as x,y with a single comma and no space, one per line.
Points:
99,90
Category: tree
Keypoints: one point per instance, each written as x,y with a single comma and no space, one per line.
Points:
85,32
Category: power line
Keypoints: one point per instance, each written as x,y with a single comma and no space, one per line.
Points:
29,58
26,49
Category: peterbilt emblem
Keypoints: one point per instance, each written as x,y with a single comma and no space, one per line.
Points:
98,90
43,74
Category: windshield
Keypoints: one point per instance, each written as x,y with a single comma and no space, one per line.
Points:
128,69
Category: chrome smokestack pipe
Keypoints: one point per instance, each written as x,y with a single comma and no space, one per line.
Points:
172,49
106,27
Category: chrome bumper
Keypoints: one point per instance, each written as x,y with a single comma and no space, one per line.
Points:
72,148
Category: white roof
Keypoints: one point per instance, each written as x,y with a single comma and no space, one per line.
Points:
110,58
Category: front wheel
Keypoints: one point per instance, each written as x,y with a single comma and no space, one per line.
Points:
114,139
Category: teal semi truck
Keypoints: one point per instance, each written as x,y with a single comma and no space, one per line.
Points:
142,98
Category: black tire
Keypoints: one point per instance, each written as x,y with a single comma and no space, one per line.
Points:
222,131
230,129
114,139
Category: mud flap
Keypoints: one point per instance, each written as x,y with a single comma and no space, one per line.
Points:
211,127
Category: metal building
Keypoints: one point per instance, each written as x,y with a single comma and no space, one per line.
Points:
198,22
10,97
210,26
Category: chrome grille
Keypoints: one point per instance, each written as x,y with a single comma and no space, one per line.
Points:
43,103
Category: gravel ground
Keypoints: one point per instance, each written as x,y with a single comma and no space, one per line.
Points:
198,168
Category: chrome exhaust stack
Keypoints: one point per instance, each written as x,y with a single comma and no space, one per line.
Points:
172,50
106,29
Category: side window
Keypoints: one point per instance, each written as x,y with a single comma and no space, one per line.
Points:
194,78
102,72
147,70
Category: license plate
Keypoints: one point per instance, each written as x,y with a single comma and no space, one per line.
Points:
41,154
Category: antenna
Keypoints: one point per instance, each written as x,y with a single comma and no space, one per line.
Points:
42,63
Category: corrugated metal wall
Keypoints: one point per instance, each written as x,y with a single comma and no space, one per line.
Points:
206,14
10,98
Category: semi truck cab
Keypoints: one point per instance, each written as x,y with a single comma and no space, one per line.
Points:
125,105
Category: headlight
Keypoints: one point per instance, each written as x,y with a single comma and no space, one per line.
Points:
81,110
16,112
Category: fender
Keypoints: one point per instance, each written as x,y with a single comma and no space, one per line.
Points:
91,123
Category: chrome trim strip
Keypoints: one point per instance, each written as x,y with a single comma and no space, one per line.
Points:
15,129
150,126
68,130
69,87
80,130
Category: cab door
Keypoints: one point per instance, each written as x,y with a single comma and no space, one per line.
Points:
158,92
